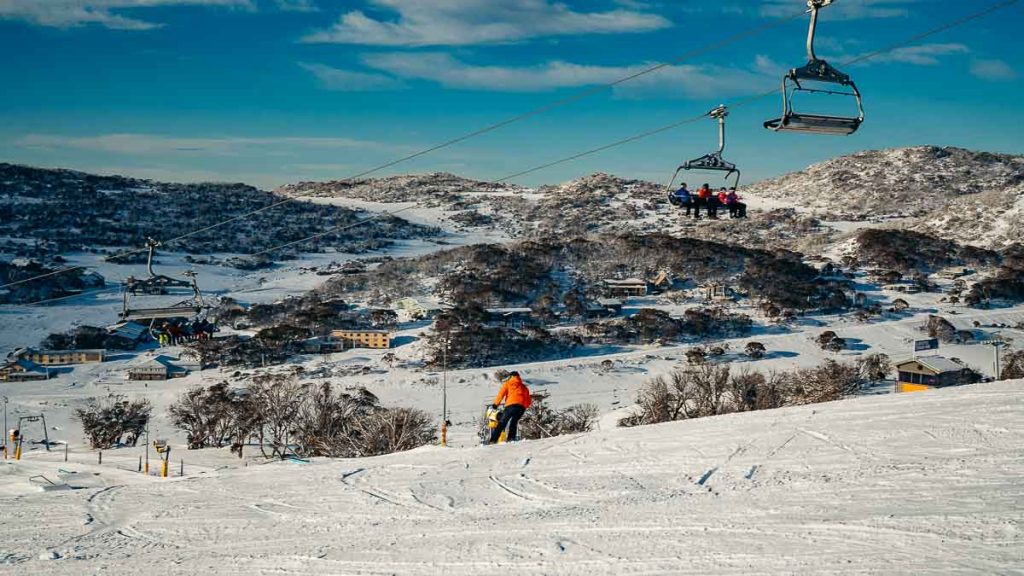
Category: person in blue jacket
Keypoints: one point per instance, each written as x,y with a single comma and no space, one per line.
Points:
683,198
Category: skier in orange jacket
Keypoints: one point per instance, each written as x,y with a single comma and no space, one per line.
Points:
517,399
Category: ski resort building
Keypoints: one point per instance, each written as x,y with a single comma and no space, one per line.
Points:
21,371
927,372
324,345
59,357
416,309
954,272
512,317
902,288
159,368
364,338
151,369
625,288
716,292
127,335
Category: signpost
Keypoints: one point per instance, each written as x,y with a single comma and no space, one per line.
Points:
925,345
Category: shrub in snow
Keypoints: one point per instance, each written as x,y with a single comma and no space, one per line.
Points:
542,421
696,355
683,394
285,417
874,367
107,421
939,327
708,390
754,350
1013,366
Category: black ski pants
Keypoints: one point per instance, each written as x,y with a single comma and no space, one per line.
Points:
509,417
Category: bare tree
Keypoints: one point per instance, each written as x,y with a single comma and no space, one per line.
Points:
107,421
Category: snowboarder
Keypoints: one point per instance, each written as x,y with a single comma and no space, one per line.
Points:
516,396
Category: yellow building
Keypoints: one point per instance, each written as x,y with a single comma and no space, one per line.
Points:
364,338
57,357
927,372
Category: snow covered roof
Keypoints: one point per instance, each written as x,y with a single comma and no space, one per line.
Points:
938,363
130,330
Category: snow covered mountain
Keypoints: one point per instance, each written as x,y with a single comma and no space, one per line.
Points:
898,182
904,484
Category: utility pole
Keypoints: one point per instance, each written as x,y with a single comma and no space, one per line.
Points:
5,427
444,385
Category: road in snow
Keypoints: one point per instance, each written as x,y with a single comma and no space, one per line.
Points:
926,483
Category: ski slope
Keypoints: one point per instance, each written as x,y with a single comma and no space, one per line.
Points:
927,483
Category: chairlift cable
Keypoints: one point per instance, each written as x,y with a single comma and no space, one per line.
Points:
739,103
572,98
760,96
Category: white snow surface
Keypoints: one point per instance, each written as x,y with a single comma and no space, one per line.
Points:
926,483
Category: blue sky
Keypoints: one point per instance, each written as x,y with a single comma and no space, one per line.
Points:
275,91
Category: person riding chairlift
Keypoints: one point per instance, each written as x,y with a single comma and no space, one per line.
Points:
703,199
737,209
684,198
710,200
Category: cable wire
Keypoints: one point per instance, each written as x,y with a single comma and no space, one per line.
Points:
571,98
739,103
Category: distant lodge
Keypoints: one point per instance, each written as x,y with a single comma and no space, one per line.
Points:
902,288
927,372
159,368
360,338
417,310
22,371
58,357
626,288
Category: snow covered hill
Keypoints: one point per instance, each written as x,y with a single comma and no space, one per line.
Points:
895,182
907,484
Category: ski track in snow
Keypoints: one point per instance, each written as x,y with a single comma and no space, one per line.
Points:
916,483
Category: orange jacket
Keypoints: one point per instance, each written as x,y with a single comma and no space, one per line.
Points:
514,391
704,193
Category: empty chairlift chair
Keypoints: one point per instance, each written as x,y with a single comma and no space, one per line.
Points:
713,161
816,77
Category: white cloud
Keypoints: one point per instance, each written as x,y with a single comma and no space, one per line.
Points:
149,144
296,5
993,70
921,55
687,81
108,13
466,22
350,81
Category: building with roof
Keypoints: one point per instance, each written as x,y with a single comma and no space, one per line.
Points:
927,372
364,338
416,310
151,369
22,371
59,357
127,335
626,287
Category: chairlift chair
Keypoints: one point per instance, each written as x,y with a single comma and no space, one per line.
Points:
157,284
816,71
712,161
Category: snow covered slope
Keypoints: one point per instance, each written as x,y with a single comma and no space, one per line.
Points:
914,483
958,194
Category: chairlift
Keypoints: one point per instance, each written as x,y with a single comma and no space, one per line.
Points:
712,161
816,72
158,284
